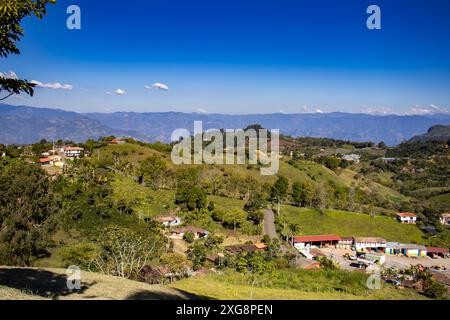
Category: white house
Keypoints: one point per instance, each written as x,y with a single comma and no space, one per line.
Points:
407,217
73,152
198,232
370,244
168,221
445,219
352,157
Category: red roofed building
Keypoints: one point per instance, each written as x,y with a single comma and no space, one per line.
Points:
434,251
407,217
302,242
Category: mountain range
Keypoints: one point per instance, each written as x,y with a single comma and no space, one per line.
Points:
23,124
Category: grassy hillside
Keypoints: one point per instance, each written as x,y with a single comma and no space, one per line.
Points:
304,285
37,284
352,224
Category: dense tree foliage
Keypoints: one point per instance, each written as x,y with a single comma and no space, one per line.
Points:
27,213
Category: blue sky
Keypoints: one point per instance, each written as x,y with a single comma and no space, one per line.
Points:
239,56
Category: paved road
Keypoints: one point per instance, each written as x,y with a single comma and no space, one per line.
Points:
269,224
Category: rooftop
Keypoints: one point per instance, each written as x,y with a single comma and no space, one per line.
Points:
319,238
370,239
406,214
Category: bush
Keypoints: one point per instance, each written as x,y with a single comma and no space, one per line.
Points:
189,237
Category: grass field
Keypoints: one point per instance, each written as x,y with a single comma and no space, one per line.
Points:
310,285
46,283
344,223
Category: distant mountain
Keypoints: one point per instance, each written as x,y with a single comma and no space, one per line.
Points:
435,133
27,124
392,129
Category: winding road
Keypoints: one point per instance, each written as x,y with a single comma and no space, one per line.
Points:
269,224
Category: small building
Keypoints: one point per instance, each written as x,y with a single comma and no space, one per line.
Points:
73,152
345,243
198,232
445,219
407,217
117,141
168,221
45,161
302,242
406,249
437,252
369,244
351,157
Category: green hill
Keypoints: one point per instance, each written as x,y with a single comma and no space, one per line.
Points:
344,223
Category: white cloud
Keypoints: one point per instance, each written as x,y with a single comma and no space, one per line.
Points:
432,109
415,111
52,85
159,86
201,110
9,75
120,92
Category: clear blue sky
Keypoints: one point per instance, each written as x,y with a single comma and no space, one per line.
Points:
239,56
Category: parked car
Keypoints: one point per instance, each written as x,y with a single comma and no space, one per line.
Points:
359,265
393,281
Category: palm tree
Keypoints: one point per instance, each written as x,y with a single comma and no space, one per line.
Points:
293,228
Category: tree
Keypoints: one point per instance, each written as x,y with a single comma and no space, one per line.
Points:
189,237
124,252
12,12
257,267
154,172
193,198
175,262
234,217
254,207
303,193
27,213
279,191
293,228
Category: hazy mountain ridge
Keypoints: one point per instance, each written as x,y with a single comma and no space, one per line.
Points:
28,125
435,133
392,129
21,124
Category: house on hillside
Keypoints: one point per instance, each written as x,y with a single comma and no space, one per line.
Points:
180,232
118,141
45,161
168,221
445,219
320,241
351,157
73,152
369,244
407,217
437,252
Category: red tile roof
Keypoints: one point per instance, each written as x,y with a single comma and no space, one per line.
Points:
322,238
406,214
437,250
44,160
